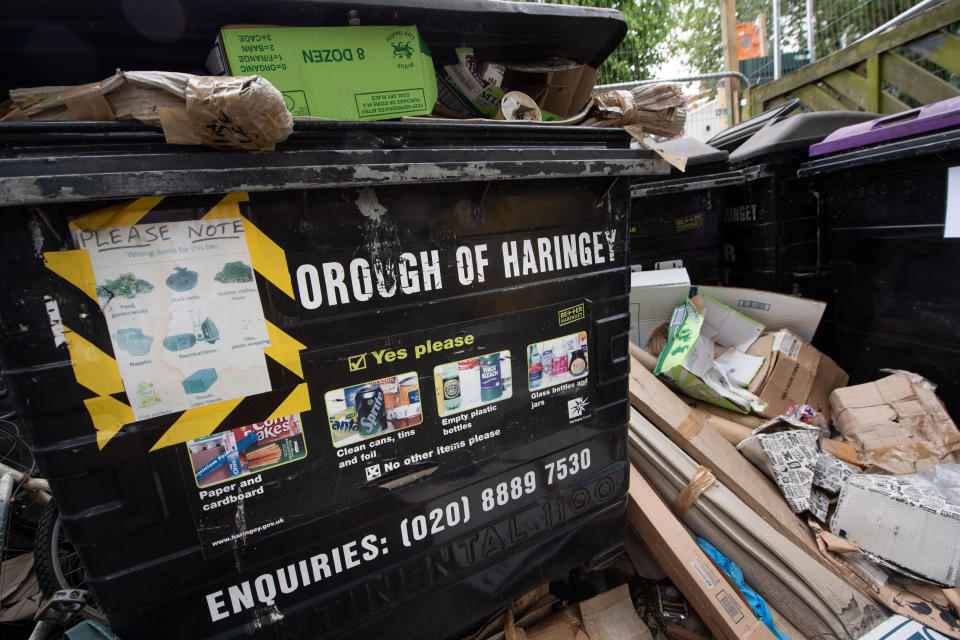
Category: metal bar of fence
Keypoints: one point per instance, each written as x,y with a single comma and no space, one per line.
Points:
777,61
703,76
900,18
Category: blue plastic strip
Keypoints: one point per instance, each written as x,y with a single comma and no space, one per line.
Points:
753,598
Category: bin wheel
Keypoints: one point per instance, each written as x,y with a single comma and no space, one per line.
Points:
56,561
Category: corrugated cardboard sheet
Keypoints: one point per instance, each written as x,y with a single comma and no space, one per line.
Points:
902,526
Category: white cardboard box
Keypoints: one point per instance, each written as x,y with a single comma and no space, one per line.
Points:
900,628
653,297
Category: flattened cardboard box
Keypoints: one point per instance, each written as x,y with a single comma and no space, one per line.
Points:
688,362
901,525
794,371
342,73
707,589
775,310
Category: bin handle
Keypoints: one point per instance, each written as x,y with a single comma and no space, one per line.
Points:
612,340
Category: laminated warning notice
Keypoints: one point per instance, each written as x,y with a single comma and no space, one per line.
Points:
183,310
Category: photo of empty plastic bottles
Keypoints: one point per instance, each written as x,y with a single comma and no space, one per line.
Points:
473,382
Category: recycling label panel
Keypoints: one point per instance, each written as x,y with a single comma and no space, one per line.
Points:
390,411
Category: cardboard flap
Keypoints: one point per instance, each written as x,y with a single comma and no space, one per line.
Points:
733,329
857,396
795,373
894,388
740,367
653,297
775,310
762,348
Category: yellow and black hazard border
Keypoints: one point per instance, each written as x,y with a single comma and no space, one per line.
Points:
92,357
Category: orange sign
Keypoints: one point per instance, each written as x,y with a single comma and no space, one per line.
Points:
748,41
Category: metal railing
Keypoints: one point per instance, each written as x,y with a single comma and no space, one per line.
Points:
700,76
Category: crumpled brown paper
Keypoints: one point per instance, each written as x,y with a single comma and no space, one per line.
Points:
658,109
224,112
232,112
897,424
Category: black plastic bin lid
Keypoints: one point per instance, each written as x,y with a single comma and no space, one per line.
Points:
52,42
796,133
732,137
696,152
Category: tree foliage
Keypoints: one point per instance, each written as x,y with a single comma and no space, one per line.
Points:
648,24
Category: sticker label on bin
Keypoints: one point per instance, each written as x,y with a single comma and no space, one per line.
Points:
476,524
424,403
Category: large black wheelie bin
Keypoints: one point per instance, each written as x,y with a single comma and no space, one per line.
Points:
675,220
888,196
372,383
770,224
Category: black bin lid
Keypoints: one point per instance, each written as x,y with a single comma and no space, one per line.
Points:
732,137
795,134
696,152
50,42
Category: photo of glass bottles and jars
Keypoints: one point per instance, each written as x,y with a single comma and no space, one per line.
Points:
473,382
556,361
373,408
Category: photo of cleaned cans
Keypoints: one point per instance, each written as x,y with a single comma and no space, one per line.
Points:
371,409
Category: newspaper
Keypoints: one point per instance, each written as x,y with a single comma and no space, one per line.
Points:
787,451
819,505
830,473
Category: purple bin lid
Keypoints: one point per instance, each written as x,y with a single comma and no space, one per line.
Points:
939,115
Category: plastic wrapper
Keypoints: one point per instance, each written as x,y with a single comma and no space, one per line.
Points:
942,480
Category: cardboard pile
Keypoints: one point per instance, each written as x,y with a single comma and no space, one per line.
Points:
716,353
20,595
263,75
897,424
223,113
740,481
793,372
